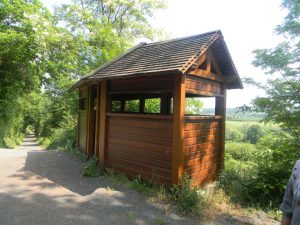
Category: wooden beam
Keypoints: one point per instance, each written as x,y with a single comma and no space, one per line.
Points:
122,105
97,135
78,120
103,99
164,103
212,59
88,121
178,127
142,104
199,61
206,74
220,110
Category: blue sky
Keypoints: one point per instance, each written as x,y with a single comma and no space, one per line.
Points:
246,25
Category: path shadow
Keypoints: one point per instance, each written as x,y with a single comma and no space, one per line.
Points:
36,200
62,169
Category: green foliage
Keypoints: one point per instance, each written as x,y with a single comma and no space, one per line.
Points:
282,101
193,106
278,152
152,105
141,186
234,178
253,134
42,55
241,151
63,137
233,135
188,199
256,175
132,105
91,168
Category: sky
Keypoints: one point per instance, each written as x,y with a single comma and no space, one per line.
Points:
245,24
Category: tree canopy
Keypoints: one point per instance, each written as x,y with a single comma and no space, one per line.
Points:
282,101
43,53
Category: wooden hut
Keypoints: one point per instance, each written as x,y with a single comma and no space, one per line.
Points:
116,122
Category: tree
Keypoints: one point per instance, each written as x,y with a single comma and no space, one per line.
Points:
253,134
282,101
279,150
193,106
19,71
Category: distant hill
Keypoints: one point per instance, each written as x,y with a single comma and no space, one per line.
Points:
234,114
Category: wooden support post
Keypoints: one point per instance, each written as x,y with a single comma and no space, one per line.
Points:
103,99
78,121
122,105
221,110
142,104
164,103
178,127
87,145
97,135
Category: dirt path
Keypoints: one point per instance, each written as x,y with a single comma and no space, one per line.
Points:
40,187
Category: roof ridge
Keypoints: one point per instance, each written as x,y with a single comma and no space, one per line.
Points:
181,38
201,51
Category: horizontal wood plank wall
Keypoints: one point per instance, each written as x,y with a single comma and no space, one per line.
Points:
202,148
140,146
201,86
142,84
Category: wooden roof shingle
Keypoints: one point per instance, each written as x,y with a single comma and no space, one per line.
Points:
171,56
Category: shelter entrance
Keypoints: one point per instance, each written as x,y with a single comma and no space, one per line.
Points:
92,122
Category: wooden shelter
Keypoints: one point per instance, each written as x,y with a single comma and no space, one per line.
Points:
117,124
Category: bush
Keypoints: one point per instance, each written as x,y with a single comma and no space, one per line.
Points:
241,151
253,134
234,177
278,153
62,138
189,199
91,168
257,176
233,135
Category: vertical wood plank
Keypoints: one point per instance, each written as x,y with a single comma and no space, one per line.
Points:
122,105
178,127
88,121
221,110
78,120
164,103
142,104
102,124
97,136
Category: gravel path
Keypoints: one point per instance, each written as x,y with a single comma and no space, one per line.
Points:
42,187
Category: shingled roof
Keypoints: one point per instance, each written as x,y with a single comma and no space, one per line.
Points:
173,56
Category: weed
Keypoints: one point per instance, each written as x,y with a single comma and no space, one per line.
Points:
188,199
131,216
141,186
159,221
91,168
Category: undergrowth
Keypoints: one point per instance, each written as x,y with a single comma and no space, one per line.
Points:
187,199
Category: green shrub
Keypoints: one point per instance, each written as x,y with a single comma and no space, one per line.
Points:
234,177
278,153
188,199
241,151
232,134
257,175
91,168
62,138
142,186
253,134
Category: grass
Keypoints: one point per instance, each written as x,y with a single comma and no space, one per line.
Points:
243,126
187,199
